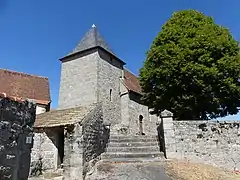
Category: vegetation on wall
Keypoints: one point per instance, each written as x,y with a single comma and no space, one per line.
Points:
192,69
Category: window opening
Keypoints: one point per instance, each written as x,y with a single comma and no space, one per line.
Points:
110,95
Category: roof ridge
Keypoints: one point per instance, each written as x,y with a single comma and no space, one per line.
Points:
131,72
22,73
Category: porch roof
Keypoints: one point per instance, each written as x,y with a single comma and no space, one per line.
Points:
56,118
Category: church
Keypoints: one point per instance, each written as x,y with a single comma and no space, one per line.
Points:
94,84
98,99
100,118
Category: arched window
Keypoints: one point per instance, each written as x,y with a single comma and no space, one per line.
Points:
110,95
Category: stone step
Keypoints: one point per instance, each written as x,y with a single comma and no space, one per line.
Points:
110,155
132,144
133,149
129,137
133,160
147,139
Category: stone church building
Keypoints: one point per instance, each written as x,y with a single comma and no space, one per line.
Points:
100,118
92,74
98,99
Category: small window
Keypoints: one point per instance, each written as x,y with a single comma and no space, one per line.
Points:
110,95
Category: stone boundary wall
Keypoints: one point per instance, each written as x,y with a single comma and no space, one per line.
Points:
16,121
212,142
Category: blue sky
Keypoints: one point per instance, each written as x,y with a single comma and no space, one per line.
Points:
35,34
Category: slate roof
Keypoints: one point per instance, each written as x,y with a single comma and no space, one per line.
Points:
92,39
63,117
131,81
25,86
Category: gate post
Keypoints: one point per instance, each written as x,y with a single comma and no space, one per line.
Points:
169,135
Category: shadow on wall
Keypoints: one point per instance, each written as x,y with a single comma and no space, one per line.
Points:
48,150
161,140
95,138
16,138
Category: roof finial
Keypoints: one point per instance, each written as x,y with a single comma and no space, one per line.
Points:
93,25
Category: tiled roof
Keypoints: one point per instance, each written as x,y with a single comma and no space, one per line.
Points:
25,86
14,98
131,81
63,117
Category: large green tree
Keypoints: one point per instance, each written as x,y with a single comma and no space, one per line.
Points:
192,69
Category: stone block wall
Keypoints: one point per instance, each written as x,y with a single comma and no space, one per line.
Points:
212,142
84,142
78,84
95,137
44,152
16,121
135,109
73,152
109,74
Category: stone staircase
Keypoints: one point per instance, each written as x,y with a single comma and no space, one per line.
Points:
132,149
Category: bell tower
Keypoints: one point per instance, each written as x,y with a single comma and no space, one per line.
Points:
91,73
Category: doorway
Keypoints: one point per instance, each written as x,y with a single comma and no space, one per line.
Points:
140,119
60,146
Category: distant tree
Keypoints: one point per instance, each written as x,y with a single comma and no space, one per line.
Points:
192,69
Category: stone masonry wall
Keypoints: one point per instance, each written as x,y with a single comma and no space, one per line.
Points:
16,121
73,152
95,138
84,142
136,109
109,74
44,152
212,142
78,84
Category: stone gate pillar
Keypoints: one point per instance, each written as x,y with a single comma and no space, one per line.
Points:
169,136
73,153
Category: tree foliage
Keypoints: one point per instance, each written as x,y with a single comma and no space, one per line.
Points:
192,69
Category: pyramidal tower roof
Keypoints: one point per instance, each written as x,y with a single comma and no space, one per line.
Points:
90,40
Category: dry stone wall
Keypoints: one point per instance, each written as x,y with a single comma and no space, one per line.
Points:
216,143
212,142
16,121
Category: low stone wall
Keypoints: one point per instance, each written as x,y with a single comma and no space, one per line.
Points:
212,142
16,121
